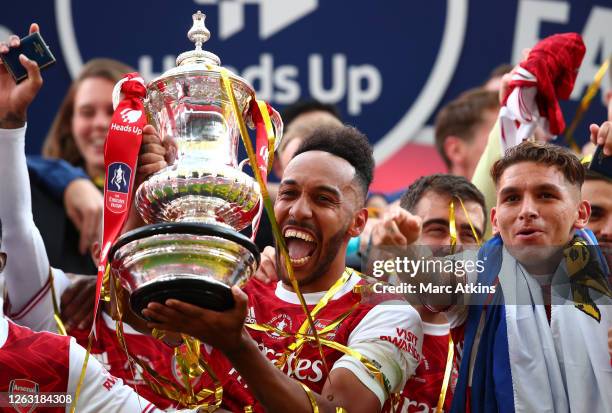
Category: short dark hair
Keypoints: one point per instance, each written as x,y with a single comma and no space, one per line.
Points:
345,142
304,106
542,153
443,184
461,116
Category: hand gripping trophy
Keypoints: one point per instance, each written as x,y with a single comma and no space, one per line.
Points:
192,249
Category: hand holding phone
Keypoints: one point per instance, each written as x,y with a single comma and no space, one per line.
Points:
15,98
34,48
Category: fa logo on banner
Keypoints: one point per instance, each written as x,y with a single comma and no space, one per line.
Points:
119,180
117,186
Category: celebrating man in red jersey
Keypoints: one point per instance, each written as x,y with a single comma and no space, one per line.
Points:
369,350
425,207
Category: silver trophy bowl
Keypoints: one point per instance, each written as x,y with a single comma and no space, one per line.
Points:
192,249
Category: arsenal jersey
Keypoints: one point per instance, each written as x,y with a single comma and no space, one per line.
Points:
422,391
106,348
109,352
388,333
38,363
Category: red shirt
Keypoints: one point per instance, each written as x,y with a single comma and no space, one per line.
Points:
273,305
422,391
107,350
42,368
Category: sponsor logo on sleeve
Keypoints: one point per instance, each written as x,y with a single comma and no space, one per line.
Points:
405,340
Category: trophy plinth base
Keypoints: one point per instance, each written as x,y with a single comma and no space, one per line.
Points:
205,293
192,262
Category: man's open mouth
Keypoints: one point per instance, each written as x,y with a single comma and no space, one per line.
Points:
301,245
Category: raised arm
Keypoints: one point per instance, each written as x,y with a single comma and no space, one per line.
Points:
22,241
27,268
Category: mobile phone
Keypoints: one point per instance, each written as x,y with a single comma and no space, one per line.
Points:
600,163
34,48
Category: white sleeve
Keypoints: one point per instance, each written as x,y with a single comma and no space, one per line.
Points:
391,335
100,391
37,314
27,266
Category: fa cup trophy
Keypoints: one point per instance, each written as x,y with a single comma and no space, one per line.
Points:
192,249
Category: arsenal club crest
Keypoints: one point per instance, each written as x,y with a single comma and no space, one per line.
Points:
19,390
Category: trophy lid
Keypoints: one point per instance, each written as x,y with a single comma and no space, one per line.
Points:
198,34
200,62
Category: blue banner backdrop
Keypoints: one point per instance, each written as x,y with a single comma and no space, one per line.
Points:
388,66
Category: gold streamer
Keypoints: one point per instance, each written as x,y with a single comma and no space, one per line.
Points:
298,344
452,226
447,373
584,105
263,109
105,287
56,309
282,248
469,220
302,337
311,398
169,389
320,305
79,386
190,363
378,375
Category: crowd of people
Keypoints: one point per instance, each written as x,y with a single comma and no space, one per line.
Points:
527,329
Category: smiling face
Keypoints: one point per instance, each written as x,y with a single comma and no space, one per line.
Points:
93,110
537,207
319,207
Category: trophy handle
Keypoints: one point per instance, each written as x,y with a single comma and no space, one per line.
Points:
277,121
260,205
242,163
257,219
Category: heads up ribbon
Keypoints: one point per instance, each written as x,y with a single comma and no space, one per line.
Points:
120,162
